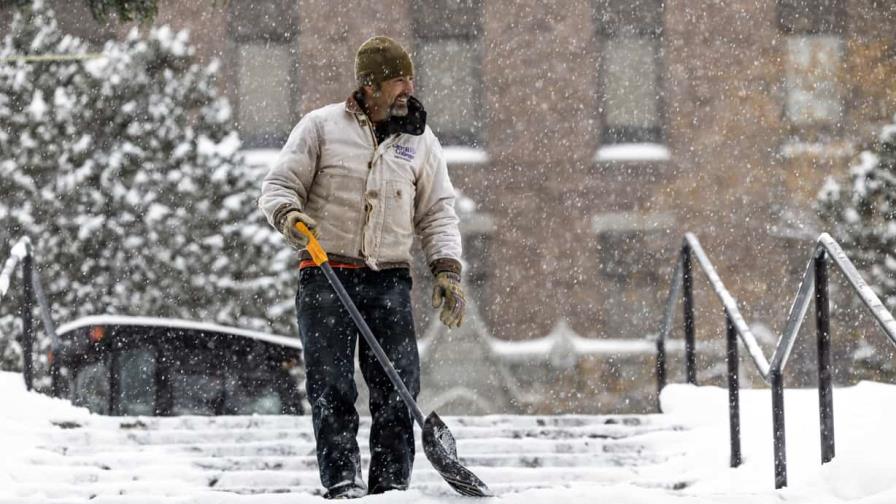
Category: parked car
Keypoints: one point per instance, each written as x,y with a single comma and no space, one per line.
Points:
116,365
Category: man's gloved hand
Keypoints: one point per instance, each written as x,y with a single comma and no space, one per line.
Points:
293,235
449,295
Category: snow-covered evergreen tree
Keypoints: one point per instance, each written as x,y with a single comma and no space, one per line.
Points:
125,172
861,213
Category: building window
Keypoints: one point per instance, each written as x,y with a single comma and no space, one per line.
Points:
266,70
631,91
629,244
817,16
630,70
635,250
264,87
813,89
448,60
814,55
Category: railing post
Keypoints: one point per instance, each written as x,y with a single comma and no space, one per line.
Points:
660,371
27,340
665,328
777,384
688,304
55,377
823,326
114,381
733,392
49,330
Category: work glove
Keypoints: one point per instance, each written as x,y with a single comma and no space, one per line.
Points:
448,294
293,235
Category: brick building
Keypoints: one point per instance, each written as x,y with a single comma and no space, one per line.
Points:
591,134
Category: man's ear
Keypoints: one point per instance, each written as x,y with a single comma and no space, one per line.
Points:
371,90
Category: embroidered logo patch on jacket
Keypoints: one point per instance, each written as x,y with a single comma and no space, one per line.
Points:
404,152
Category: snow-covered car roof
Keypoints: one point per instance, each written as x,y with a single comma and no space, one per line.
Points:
107,320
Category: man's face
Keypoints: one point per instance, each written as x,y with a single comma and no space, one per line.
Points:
391,99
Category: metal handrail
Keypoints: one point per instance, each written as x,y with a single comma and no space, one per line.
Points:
32,290
815,280
743,330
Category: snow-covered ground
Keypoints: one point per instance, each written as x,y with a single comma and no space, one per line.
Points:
678,457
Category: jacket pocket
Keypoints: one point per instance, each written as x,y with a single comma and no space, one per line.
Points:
398,225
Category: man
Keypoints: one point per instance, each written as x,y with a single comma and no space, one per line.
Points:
366,176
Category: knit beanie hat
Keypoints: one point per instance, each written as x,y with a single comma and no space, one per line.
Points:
380,59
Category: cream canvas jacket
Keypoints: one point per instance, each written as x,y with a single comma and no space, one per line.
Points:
369,200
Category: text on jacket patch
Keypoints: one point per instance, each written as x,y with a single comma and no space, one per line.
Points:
403,152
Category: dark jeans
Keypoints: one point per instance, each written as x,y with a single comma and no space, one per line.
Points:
328,335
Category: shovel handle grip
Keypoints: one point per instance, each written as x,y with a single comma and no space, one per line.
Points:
318,255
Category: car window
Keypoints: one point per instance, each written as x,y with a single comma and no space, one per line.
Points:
196,394
136,382
252,394
91,388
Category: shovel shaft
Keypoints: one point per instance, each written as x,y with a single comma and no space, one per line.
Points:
320,258
373,343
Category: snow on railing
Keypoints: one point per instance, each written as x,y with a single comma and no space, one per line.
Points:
20,250
727,300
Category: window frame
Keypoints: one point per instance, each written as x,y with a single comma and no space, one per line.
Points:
833,23
287,39
467,28
615,233
612,25
795,76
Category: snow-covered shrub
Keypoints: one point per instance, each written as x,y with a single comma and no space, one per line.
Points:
860,213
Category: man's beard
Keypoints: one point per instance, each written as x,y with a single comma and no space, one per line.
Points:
398,109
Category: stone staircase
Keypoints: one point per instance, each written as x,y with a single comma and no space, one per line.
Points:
162,459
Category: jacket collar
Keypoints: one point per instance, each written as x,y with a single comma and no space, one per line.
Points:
413,124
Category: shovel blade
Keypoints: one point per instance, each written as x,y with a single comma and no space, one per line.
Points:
441,450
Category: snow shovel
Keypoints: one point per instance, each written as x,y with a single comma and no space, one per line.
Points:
438,443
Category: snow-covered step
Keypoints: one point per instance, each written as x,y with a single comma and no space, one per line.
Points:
157,458
285,468
97,437
512,485
679,457
304,422
156,484
110,452
505,426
